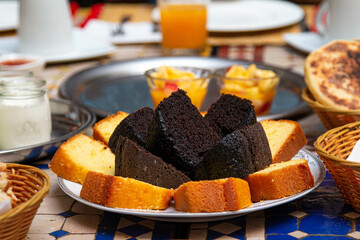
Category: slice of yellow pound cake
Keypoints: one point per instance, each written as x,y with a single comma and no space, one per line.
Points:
79,155
285,137
228,194
120,192
280,180
104,128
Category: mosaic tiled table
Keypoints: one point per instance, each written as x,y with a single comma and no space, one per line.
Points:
322,214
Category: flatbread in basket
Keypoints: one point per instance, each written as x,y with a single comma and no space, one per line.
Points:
332,74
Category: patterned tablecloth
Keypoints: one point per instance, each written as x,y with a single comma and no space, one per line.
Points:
321,214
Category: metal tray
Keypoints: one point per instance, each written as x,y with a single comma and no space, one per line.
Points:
108,88
67,119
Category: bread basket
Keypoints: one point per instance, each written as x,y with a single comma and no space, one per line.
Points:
334,147
331,117
30,185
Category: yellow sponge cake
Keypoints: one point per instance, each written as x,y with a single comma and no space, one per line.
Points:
285,138
280,180
120,192
104,128
81,154
228,194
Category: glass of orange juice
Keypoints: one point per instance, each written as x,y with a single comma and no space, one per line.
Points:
259,85
183,26
164,80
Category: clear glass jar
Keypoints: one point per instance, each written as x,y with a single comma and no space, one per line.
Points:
6,76
25,117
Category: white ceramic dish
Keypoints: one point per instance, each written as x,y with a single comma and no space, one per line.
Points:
87,46
35,65
134,32
9,15
249,15
172,215
305,42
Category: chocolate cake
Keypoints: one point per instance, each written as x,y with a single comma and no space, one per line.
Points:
134,127
230,113
134,161
180,135
239,154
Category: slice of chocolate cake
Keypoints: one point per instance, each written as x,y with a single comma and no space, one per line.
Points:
180,135
259,145
134,161
239,154
134,127
230,113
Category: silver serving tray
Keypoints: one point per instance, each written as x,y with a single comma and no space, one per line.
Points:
67,119
108,88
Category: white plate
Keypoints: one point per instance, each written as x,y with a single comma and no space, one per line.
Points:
134,32
87,46
172,215
249,15
305,42
9,15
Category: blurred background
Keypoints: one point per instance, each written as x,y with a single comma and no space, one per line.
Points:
87,3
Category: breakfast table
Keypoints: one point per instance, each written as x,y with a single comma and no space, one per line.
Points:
321,214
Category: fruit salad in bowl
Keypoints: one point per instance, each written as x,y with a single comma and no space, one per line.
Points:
165,79
256,84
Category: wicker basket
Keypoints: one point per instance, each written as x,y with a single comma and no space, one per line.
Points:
334,147
330,117
30,185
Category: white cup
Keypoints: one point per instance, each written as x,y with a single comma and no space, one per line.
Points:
45,27
342,19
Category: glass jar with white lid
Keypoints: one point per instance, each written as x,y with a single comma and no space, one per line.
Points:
25,117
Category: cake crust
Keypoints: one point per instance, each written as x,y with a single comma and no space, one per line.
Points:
94,187
228,194
203,196
237,194
280,180
119,192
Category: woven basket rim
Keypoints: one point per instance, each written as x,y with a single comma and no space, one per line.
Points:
321,151
34,199
305,95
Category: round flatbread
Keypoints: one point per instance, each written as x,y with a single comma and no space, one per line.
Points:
332,74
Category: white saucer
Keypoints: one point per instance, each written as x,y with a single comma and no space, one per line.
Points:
87,46
8,15
305,41
134,32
